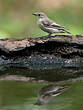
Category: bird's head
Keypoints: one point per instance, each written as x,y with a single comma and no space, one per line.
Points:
40,103
40,14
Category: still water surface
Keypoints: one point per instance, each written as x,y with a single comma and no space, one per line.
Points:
23,95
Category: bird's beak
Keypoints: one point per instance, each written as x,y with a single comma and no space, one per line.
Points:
35,14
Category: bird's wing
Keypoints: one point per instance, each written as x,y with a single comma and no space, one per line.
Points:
61,28
58,26
46,23
50,24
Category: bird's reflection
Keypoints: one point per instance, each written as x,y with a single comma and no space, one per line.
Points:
48,92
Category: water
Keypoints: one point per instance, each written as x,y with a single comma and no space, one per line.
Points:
23,95
42,62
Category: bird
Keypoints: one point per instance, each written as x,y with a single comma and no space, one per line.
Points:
48,92
48,25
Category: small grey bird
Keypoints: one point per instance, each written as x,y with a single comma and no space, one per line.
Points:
48,25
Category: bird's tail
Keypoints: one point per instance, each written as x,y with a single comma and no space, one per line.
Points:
65,31
68,32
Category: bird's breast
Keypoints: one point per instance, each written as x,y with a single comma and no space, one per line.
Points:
40,24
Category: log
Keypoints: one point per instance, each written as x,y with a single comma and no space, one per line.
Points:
64,46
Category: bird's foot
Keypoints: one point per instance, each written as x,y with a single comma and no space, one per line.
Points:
49,34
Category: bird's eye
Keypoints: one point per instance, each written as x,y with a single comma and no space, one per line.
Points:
39,14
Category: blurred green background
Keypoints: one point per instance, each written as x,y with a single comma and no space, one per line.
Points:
17,21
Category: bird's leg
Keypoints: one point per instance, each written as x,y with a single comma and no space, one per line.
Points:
49,34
